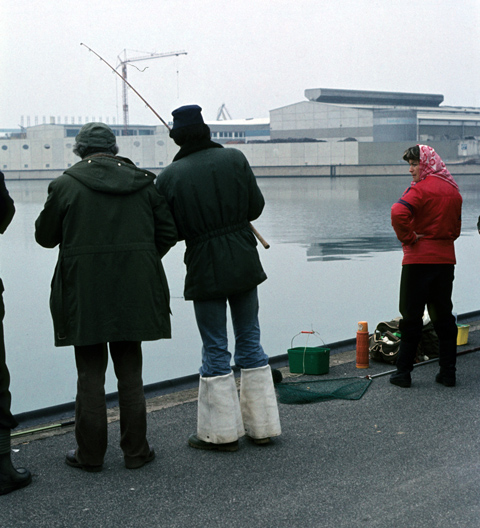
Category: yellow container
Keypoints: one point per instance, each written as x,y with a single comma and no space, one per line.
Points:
462,334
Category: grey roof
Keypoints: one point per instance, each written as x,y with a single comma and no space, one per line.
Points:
328,95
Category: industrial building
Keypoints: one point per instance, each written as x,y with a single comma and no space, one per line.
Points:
332,132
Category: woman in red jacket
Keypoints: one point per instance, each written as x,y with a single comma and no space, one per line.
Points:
427,220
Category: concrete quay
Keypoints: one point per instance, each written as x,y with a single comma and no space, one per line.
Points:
395,458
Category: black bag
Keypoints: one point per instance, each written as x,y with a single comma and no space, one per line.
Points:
383,344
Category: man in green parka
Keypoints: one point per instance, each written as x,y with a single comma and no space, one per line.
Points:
109,286
213,195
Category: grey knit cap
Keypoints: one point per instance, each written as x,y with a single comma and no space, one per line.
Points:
96,135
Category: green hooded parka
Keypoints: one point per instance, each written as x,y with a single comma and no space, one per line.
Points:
113,229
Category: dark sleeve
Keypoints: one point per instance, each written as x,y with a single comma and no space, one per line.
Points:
48,226
166,235
7,209
256,201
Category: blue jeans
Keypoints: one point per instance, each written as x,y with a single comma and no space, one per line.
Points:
212,323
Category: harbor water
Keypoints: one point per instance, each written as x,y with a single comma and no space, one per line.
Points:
334,260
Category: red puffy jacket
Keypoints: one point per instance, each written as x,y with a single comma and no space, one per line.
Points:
432,207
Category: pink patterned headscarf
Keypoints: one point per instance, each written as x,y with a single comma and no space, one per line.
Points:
431,164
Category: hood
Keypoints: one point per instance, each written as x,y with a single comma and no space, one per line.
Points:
110,174
431,164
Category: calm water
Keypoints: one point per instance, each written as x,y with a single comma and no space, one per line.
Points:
333,261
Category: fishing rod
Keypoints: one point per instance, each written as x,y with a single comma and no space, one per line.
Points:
433,360
125,81
277,378
43,428
264,243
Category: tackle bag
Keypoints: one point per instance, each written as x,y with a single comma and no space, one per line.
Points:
384,344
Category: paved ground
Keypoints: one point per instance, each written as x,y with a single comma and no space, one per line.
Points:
395,458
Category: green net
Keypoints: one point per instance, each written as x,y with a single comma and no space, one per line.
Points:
297,392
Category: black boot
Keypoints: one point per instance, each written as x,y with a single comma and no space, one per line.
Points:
406,357
446,378
447,362
11,479
401,379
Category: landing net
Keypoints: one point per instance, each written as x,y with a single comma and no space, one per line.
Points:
298,392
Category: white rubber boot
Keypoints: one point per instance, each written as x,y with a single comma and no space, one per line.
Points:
219,416
258,403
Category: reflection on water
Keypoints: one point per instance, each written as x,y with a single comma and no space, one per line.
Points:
332,245
353,212
345,249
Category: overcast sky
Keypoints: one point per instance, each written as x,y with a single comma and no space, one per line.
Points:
252,55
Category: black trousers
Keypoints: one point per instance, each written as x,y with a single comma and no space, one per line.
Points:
91,409
427,285
7,421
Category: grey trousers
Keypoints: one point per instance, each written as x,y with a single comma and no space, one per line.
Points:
91,409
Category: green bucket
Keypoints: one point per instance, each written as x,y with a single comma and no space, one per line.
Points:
308,360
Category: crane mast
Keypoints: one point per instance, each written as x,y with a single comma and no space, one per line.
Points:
123,65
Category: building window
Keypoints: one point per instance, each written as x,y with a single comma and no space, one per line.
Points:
160,162
161,143
46,146
136,143
47,165
26,147
25,166
4,166
4,147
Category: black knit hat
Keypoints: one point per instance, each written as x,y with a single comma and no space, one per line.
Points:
96,135
187,115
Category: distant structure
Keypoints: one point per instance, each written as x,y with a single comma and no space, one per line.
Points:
123,65
360,97
332,132
223,113
336,115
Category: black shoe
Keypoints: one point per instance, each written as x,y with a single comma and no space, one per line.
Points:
277,376
260,441
137,464
71,460
194,441
401,379
448,380
12,479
